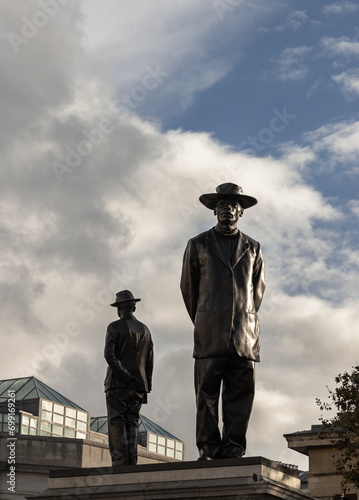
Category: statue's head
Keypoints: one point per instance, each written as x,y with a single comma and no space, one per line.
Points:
125,302
227,191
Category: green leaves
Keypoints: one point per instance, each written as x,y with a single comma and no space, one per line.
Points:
344,427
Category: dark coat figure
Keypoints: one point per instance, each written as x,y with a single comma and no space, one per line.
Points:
222,285
129,354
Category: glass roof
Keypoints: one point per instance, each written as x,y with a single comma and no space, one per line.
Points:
32,388
152,427
99,424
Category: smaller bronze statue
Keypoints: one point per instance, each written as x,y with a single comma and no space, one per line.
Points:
129,354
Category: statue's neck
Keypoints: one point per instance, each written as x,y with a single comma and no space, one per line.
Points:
227,229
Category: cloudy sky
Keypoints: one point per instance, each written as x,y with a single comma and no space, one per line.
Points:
115,118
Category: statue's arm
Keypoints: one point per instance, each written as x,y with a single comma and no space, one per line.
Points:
258,279
190,279
110,353
149,366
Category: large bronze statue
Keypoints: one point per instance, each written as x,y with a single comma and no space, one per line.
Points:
129,354
222,285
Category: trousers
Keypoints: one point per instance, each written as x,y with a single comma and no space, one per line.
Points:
236,375
123,410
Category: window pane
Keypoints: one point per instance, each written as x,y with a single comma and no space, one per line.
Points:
82,416
57,429
59,409
161,441
69,433
59,419
152,447
179,446
32,431
24,429
170,453
161,450
80,435
33,422
45,427
178,455
46,415
70,412
152,438
70,422
46,405
25,420
43,433
81,426
170,443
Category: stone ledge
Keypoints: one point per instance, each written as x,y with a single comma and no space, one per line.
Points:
232,479
210,464
235,489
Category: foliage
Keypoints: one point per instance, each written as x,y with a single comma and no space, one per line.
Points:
344,427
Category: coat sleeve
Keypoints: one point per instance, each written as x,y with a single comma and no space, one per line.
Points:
190,279
110,354
258,279
149,366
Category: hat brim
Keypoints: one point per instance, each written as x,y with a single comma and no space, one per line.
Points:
209,200
116,304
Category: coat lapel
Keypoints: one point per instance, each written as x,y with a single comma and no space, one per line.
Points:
215,247
241,249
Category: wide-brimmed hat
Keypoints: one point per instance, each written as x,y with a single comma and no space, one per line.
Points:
227,191
124,296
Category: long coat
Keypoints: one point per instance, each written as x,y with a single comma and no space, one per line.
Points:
129,353
221,298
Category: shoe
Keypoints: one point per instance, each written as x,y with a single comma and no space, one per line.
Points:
202,458
233,452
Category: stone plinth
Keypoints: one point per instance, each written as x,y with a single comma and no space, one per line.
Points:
232,479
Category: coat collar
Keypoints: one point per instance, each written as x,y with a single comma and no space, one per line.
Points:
215,246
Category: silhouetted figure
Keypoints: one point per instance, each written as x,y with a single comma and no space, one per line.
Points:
129,354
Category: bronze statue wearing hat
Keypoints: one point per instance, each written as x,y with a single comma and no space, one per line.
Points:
222,285
129,354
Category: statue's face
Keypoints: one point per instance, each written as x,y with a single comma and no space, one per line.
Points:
228,211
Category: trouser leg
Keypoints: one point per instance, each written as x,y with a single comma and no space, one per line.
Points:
208,377
132,419
117,435
237,402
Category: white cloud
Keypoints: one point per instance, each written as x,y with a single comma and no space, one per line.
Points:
337,144
344,47
291,65
189,42
340,8
348,82
297,18
354,206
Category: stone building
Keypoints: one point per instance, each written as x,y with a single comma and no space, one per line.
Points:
324,482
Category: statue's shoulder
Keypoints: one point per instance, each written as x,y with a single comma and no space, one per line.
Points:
200,238
251,241
114,324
